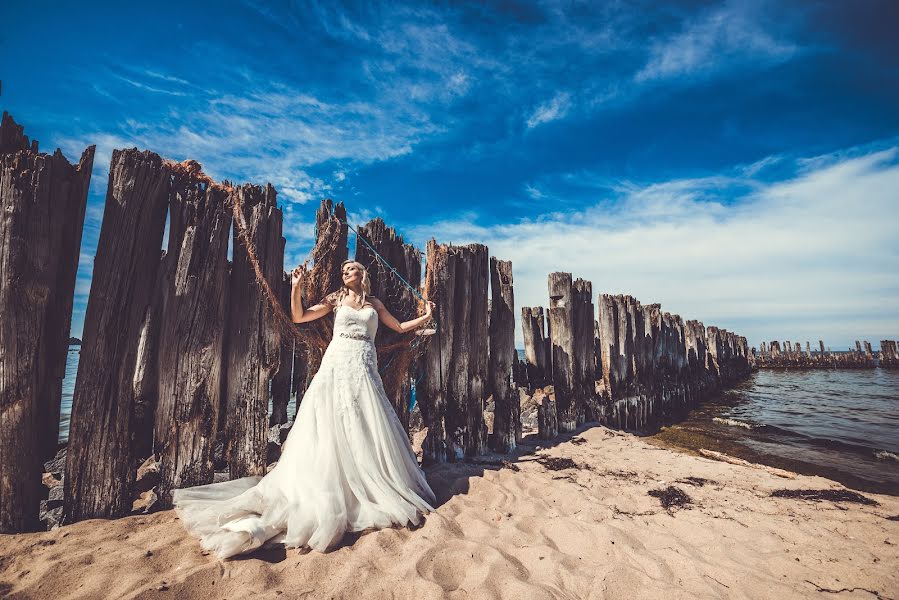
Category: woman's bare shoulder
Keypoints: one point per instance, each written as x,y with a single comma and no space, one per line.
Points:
333,298
375,302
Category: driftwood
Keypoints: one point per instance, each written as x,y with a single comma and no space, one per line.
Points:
100,461
191,333
253,342
452,391
42,207
507,409
281,382
394,357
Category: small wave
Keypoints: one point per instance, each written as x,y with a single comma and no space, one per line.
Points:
734,423
884,455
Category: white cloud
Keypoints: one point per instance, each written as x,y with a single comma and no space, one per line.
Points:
273,134
722,35
554,109
811,256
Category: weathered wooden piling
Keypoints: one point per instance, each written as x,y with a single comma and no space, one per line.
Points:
794,358
452,391
583,322
282,380
507,410
191,335
537,360
562,343
405,260
100,460
146,372
42,207
325,277
889,358
253,346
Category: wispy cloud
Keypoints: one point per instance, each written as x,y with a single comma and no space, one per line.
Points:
273,134
554,109
723,35
790,258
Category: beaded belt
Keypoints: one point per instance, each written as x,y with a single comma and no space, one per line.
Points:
355,336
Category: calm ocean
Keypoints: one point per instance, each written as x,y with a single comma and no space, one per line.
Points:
840,424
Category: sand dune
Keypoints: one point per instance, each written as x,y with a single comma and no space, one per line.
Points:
587,532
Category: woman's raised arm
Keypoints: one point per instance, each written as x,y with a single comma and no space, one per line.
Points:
297,312
393,323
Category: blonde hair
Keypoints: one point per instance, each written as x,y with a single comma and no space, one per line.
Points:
340,294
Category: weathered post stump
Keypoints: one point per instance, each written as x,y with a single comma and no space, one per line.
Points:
100,460
254,344
191,337
42,206
507,409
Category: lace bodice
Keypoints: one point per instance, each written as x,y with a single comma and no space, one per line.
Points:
351,323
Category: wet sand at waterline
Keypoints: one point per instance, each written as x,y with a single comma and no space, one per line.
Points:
587,528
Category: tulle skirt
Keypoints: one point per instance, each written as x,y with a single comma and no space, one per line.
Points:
346,466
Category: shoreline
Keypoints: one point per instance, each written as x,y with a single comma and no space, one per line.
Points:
685,438
535,527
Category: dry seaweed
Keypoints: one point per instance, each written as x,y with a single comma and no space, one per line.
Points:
695,481
671,497
832,495
558,464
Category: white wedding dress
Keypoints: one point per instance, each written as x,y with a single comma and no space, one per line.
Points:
346,464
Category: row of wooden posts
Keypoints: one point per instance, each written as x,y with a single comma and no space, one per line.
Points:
181,353
771,355
631,368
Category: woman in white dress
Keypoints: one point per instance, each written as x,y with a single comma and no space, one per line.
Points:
346,465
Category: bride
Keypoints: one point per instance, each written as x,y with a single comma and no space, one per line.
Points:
346,464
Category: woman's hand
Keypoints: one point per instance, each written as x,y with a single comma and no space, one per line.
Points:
297,276
429,308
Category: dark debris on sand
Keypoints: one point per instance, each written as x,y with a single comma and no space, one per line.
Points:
558,464
832,495
671,497
695,481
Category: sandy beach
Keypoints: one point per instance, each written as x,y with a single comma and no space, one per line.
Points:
522,529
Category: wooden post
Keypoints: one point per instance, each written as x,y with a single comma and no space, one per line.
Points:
560,316
281,381
507,410
329,253
452,392
42,206
399,299
253,348
537,360
191,336
582,324
475,442
100,460
146,374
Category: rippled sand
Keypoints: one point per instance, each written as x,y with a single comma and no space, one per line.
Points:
588,532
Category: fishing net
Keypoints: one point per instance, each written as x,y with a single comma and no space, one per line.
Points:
397,353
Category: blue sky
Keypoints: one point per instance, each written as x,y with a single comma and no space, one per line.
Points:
736,161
